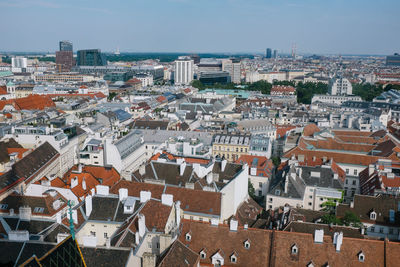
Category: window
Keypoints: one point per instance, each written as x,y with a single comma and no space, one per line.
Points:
38,210
295,249
105,235
3,206
247,244
347,181
277,192
309,203
361,256
372,229
310,196
259,193
92,233
188,237
355,172
372,215
354,181
158,245
260,184
321,199
381,230
391,231
191,218
202,254
347,171
149,244
233,258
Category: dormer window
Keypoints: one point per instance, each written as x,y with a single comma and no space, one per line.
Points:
233,258
361,257
372,215
247,244
203,254
295,249
188,237
311,264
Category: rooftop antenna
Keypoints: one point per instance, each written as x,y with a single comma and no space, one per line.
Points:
71,221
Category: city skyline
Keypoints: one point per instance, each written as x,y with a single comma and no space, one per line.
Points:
339,27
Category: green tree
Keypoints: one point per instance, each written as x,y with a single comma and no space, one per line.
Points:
252,191
111,96
351,219
330,219
198,84
276,161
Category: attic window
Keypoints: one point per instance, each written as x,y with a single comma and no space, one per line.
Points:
247,244
233,258
3,206
38,210
372,215
188,237
203,254
361,256
295,249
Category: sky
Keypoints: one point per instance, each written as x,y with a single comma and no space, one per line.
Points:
202,26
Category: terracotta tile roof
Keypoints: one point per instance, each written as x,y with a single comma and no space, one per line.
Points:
351,133
3,90
20,151
338,157
4,148
191,200
310,129
213,239
321,254
57,182
332,144
156,215
263,164
161,99
15,201
173,157
282,130
179,255
364,205
33,102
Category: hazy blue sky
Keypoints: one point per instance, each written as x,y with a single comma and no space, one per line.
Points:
316,26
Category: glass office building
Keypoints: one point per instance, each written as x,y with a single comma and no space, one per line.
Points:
91,57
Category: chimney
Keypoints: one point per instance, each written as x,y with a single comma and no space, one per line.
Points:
102,190
25,213
145,196
314,158
223,165
339,241
182,168
335,176
123,194
11,212
75,216
142,225
137,238
83,184
79,168
233,226
142,169
246,226
58,217
319,236
352,204
149,259
209,178
178,212
88,205
74,182
167,199
371,169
